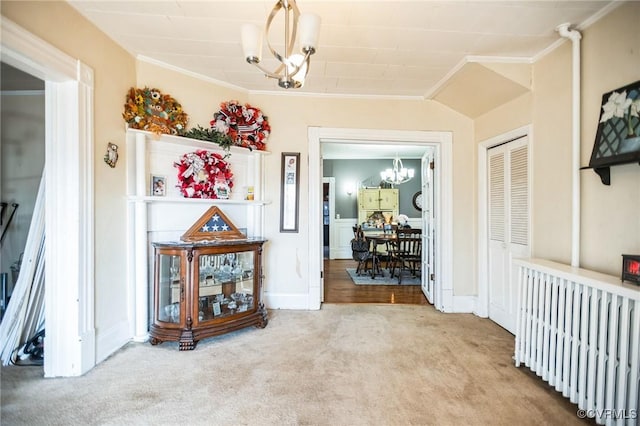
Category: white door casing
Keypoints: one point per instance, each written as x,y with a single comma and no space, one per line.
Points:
441,143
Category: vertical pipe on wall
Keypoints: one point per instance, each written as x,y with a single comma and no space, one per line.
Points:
575,37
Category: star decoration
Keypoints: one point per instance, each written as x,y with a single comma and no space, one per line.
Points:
213,225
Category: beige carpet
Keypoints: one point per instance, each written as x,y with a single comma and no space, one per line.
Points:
355,364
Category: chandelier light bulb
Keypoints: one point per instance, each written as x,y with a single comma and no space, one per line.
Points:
309,24
252,42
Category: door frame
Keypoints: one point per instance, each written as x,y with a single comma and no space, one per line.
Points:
443,152
482,306
69,219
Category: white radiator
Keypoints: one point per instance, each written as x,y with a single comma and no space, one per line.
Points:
580,332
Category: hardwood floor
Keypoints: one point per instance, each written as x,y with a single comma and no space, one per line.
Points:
339,288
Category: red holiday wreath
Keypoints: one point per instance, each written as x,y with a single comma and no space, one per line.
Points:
246,125
204,174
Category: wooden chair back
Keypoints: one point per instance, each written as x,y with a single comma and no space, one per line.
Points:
409,243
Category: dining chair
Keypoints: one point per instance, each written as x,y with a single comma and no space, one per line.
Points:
360,250
407,253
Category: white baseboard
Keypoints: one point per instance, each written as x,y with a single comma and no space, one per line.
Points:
298,301
464,304
457,304
482,313
111,340
341,253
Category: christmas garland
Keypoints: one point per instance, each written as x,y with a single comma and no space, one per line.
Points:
246,125
148,109
204,174
210,135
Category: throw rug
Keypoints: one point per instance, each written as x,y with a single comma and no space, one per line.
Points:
385,279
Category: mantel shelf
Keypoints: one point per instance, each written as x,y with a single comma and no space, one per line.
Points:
180,200
196,143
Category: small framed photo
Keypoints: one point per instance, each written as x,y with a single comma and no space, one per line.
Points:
158,186
216,308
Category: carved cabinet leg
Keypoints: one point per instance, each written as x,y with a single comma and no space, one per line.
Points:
262,320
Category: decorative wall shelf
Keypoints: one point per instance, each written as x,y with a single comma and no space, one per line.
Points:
196,143
208,201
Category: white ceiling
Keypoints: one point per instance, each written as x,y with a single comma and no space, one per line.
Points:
378,48
416,49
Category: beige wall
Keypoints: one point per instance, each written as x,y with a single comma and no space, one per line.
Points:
509,116
199,98
551,157
286,255
610,218
291,116
610,214
114,72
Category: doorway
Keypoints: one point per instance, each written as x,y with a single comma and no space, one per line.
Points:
22,153
504,227
69,278
441,143
351,168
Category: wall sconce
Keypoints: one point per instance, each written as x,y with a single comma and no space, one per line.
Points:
348,188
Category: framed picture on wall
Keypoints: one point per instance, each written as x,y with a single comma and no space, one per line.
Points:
618,135
158,186
290,192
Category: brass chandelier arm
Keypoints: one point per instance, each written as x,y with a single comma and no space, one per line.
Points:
289,42
274,74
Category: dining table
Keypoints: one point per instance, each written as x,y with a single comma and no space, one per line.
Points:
376,240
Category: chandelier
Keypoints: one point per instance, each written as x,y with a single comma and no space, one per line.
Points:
399,174
293,67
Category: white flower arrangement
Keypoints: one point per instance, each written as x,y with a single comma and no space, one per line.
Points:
402,219
620,106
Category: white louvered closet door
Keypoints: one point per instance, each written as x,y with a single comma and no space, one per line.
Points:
508,178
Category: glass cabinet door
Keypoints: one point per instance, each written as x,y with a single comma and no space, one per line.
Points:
169,273
225,284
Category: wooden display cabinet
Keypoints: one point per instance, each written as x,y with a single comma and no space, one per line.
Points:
372,200
207,288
